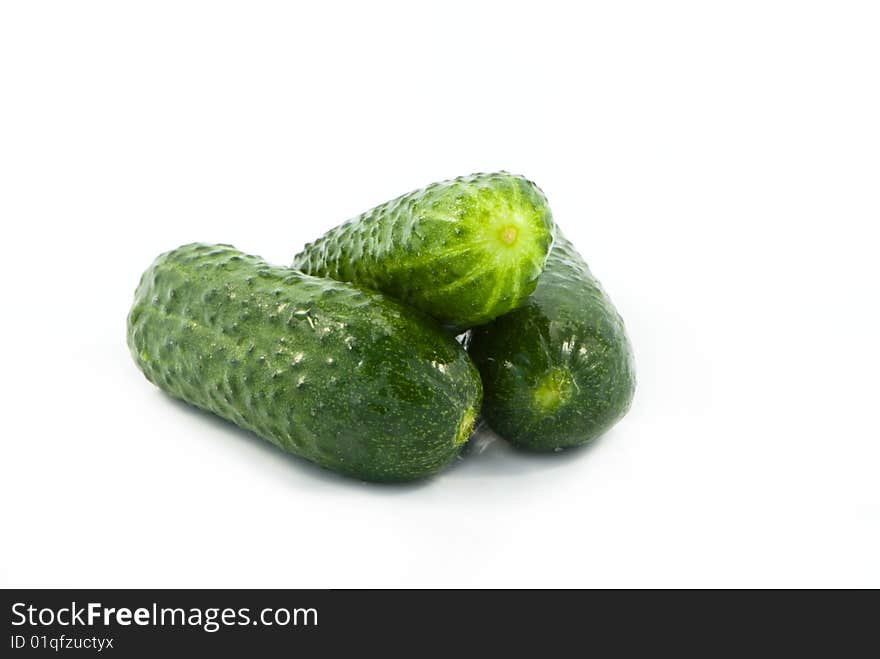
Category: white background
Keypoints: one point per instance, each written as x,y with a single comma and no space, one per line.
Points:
716,163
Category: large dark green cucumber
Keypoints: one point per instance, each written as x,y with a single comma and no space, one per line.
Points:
349,379
559,371
464,251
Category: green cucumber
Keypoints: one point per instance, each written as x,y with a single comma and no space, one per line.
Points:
464,251
558,372
349,379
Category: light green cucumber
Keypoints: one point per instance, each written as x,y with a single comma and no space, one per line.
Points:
464,251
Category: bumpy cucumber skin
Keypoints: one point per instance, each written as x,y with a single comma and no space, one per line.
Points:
559,371
346,378
443,249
